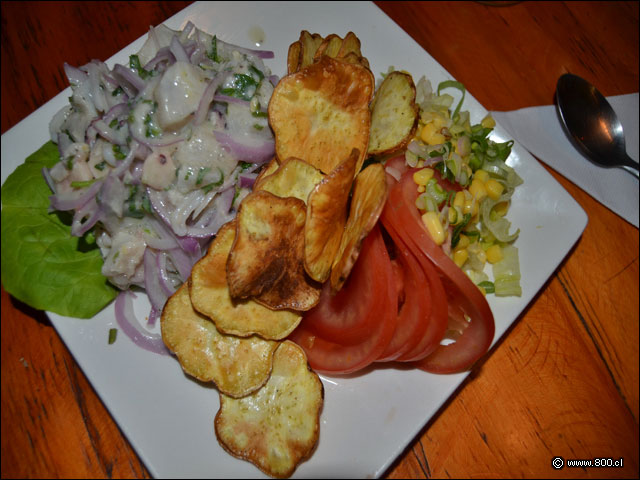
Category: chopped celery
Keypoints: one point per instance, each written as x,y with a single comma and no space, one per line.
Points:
506,273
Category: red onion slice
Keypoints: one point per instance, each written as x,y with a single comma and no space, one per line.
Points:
247,180
178,51
85,218
207,98
228,99
128,78
255,153
157,296
74,75
74,201
129,324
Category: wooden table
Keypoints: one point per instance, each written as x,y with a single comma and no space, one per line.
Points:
563,381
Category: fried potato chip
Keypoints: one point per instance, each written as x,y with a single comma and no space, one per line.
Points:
367,201
294,178
293,57
321,113
309,44
330,46
210,296
276,427
353,57
238,366
267,170
350,44
266,261
326,217
394,114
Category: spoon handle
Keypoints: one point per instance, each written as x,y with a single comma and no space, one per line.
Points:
629,165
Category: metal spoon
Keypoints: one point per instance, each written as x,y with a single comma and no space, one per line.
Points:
592,123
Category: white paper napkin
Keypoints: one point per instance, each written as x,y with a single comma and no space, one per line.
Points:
538,129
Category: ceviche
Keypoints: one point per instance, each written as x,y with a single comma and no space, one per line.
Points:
156,155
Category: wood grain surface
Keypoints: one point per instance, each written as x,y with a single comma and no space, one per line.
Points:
564,379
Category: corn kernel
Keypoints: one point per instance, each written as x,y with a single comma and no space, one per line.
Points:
427,131
437,139
421,177
434,227
453,216
470,206
494,254
477,189
481,175
494,188
463,242
421,188
460,256
488,121
501,208
458,200
430,135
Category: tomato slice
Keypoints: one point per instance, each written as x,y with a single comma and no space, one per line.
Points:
427,285
376,307
463,296
414,308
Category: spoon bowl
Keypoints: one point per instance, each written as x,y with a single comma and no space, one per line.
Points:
592,124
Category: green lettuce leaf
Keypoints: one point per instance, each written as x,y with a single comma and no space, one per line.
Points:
42,264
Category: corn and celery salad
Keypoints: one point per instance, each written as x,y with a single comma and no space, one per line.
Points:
468,221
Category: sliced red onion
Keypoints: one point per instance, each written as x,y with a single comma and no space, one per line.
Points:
108,133
247,180
183,262
274,79
160,204
163,55
190,245
74,74
113,194
126,163
64,142
165,281
160,243
75,200
116,111
129,79
162,141
157,296
48,179
95,70
255,153
110,80
207,98
126,318
424,151
85,218
188,28
178,51
228,99
225,199
154,315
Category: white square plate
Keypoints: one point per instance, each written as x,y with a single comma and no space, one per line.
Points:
367,419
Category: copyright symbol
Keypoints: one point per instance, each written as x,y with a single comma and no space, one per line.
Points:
557,463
